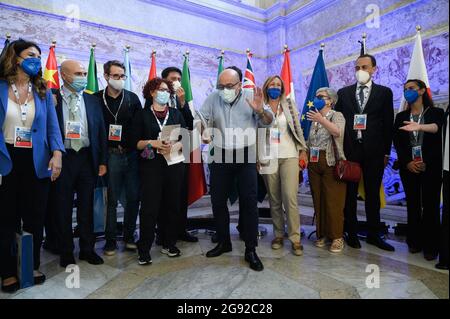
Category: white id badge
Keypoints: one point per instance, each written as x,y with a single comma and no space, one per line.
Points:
115,133
275,136
22,137
73,130
417,154
360,122
314,154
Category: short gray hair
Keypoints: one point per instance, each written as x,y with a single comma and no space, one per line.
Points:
331,93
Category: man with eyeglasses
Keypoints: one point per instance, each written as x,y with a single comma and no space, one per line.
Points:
119,107
234,115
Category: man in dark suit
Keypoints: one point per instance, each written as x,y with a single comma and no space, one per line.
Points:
84,161
369,114
178,101
443,254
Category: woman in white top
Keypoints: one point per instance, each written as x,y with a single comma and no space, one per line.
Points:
328,193
281,172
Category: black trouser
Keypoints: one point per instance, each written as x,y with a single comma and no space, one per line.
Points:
423,196
160,186
373,169
443,256
23,199
222,176
77,176
183,212
51,219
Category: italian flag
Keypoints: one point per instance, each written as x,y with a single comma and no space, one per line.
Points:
196,175
92,81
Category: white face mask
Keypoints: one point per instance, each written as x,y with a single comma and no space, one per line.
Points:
117,84
362,77
228,95
176,85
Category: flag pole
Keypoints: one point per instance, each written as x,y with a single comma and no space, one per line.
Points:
364,37
8,36
53,43
418,28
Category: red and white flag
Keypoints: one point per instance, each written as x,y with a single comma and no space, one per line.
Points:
286,76
249,77
417,67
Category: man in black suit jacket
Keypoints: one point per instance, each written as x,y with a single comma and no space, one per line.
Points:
371,106
443,254
84,161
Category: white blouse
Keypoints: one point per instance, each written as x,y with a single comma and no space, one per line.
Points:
286,148
13,119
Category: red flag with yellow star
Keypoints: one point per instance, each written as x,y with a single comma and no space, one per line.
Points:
51,70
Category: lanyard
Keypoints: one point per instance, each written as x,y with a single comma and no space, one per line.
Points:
77,106
157,120
277,114
118,110
416,133
23,107
317,126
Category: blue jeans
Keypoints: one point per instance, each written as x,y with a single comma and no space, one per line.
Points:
123,178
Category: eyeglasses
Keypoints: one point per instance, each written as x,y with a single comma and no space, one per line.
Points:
322,97
118,76
164,90
227,86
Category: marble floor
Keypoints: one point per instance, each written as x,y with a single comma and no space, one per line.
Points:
317,274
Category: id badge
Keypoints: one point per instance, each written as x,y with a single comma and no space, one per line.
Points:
115,133
360,122
275,136
73,130
22,137
314,154
417,154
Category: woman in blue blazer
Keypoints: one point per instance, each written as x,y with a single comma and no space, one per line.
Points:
30,154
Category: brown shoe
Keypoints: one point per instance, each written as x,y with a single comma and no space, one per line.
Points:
297,249
277,243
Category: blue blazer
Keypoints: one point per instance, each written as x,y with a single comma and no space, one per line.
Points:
45,133
96,127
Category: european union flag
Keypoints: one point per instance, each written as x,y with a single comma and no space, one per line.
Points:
319,79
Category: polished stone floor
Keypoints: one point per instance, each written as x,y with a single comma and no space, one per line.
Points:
317,274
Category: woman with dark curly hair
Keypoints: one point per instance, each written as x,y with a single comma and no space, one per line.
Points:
160,182
30,154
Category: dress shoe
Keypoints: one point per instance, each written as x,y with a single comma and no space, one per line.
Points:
414,250
12,288
379,242
442,266
50,247
66,260
188,238
353,241
252,258
430,256
220,249
92,258
40,279
214,238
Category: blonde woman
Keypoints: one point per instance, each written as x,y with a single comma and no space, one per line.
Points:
286,137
